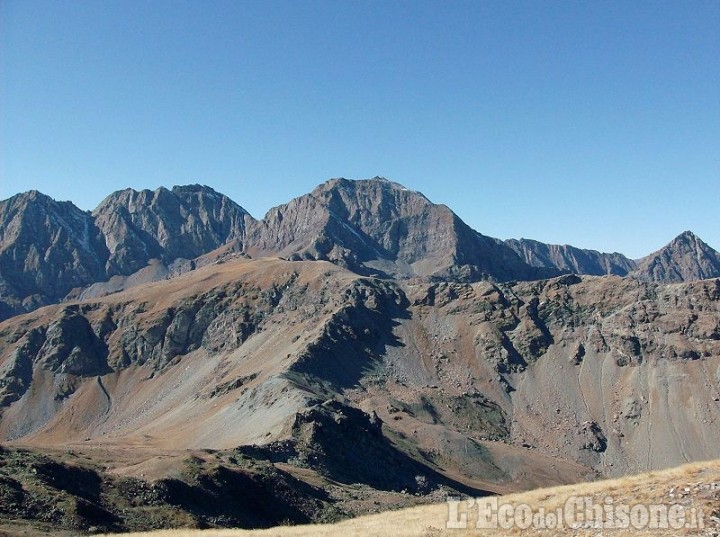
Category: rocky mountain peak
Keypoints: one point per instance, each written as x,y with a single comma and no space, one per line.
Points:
376,183
685,258
46,249
31,195
49,248
27,203
184,222
371,226
686,239
372,203
195,189
380,227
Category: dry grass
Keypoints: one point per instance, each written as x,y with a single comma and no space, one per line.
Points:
692,486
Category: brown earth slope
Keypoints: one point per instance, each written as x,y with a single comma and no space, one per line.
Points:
342,380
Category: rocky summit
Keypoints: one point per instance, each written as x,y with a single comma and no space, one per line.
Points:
685,258
359,348
46,249
382,228
185,222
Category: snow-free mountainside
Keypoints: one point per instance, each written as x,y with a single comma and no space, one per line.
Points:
170,361
690,489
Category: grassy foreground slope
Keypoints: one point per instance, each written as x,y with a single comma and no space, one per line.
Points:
694,488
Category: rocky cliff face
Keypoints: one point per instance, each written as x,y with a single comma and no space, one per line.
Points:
685,258
185,222
570,259
604,371
50,248
376,226
46,249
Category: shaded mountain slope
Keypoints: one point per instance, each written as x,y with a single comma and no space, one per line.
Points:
64,493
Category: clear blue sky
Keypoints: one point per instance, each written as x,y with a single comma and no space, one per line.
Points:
590,123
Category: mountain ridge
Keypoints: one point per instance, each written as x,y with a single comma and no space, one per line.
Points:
371,226
572,259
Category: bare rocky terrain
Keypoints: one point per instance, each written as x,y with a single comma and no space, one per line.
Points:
685,258
52,251
691,492
571,259
383,361
183,223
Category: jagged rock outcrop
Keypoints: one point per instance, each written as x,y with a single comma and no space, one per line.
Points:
377,226
185,222
47,248
685,258
570,259
347,445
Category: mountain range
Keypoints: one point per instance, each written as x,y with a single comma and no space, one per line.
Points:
169,361
51,251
